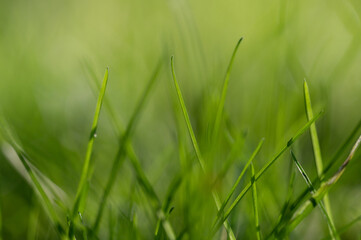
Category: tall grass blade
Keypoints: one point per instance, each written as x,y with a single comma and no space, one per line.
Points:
219,113
331,226
119,128
222,217
345,227
85,172
316,146
195,145
315,198
255,203
126,149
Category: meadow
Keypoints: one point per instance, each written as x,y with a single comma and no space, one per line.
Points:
180,119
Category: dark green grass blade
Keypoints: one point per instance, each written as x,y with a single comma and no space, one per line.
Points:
195,144
316,146
4,129
307,207
331,226
235,185
85,172
218,118
220,216
255,203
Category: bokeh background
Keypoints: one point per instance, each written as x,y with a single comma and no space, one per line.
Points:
49,51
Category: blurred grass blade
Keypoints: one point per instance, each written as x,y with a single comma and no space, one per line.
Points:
222,217
195,144
85,172
331,225
255,203
307,207
316,146
218,118
119,128
235,185
346,227
126,149
4,129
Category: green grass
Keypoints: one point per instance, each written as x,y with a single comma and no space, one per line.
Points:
224,143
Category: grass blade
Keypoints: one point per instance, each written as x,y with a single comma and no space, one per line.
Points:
235,185
24,160
195,144
218,118
316,147
307,207
222,217
255,203
346,227
85,172
126,149
331,225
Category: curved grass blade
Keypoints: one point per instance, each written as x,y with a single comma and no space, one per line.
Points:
222,217
307,207
330,223
195,145
255,203
218,118
85,172
316,146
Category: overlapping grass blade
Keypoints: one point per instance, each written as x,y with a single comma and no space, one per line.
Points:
85,172
195,144
331,226
220,108
315,198
303,196
222,217
316,146
255,203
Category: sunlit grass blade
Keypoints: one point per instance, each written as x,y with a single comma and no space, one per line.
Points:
235,185
331,226
195,144
89,151
255,203
316,145
220,108
315,198
222,217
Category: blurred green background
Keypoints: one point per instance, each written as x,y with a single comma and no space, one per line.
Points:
45,96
